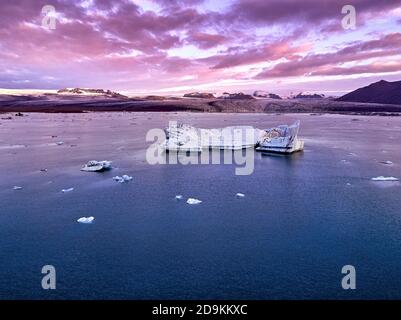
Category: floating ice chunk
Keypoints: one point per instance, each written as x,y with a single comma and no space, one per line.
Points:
348,184
124,178
17,188
67,190
127,178
60,143
96,166
386,162
118,179
240,195
381,178
86,220
178,197
193,201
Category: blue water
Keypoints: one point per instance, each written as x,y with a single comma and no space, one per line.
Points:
288,238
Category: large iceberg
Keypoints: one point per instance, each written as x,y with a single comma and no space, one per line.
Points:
181,137
283,139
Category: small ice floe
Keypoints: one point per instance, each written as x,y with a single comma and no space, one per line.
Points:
96,166
86,220
124,178
381,178
43,170
60,143
17,188
193,201
178,197
67,190
386,162
240,195
348,184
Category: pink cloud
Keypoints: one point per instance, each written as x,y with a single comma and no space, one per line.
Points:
371,68
310,11
386,46
266,53
206,40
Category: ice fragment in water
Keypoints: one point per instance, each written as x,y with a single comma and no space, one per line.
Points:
193,201
86,220
96,166
381,178
124,178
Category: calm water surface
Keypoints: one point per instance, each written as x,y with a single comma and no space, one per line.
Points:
302,219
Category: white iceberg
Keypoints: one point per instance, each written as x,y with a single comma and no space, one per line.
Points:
67,190
381,178
182,137
193,201
96,166
178,197
386,162
240,195
124,178
60,143
86,220
17,188
282,139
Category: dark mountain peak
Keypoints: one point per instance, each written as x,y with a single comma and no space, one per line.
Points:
378,92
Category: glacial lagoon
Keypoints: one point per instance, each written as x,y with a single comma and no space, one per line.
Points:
301,219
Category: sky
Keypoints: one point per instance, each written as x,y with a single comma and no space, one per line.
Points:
176,46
